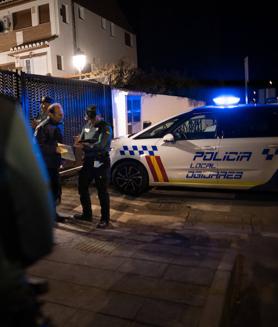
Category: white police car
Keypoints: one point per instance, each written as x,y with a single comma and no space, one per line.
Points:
210,147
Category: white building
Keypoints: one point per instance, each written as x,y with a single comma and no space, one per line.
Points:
41,36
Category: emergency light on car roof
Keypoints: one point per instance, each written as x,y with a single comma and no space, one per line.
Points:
226,100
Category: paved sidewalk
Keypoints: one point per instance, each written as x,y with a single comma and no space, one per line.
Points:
127,276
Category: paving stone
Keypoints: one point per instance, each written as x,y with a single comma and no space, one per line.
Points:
137,324
161,313
153,256
197,261
194,295
160,248
81,275
143,267
191,316
88,319
88,259
200,276
59,314
136,285
122,305
77,296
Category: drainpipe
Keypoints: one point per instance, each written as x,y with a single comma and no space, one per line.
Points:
73,28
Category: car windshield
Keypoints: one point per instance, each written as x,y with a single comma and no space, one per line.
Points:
159,130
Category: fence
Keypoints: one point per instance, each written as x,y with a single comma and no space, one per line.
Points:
74,95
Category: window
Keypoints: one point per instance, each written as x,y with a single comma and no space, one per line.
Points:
59,62
28,66
44,16
159,130
256,123
133,109
81,13
64,13
112,29
103,23
127,39
197,127
22,19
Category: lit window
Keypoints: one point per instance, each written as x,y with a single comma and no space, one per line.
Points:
59,62
103,23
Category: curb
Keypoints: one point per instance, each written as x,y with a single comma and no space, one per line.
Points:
214,309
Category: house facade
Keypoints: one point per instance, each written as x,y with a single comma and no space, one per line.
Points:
41,36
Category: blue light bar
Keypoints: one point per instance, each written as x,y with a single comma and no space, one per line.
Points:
226,100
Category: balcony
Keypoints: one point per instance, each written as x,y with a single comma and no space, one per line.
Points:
30,34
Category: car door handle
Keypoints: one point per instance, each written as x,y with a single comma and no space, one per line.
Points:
208,147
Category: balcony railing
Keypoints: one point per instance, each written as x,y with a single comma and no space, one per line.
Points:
30,34
11,3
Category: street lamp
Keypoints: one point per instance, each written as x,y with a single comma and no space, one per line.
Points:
79,61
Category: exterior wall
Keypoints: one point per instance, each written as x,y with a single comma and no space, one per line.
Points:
98,43
159,107
63,45
154,108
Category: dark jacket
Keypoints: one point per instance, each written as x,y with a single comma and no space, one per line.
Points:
48,137
99,139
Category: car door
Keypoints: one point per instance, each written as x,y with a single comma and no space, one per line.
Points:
190,158
248,148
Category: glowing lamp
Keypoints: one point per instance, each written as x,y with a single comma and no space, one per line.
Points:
79,61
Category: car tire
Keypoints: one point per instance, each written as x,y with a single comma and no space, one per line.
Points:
130,177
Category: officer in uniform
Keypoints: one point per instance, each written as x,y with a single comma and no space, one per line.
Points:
46,102
95,140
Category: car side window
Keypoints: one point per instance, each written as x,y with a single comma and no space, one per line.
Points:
250,124
197,127
159,130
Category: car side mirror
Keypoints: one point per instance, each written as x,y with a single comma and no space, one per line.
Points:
168,138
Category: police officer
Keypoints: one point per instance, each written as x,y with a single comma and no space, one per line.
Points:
95,140
45,102
49,133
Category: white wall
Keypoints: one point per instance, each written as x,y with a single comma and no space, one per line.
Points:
98,43
63,45
158,107
153,108
119,112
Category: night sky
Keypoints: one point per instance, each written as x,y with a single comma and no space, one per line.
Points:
206,40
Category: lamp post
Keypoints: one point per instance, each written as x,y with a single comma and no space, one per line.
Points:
246,77
79,61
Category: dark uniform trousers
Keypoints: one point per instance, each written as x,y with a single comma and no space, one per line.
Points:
101,176
55,182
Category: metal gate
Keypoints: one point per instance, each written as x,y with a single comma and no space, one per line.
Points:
74,96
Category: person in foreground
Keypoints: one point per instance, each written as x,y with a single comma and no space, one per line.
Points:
95,140
27,216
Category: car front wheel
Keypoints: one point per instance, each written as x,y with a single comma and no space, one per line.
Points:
130,178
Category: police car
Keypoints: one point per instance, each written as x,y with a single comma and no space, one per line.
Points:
231,147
